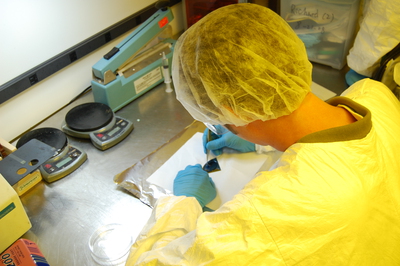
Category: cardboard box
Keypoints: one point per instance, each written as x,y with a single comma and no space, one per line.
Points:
23,253
6,148
14,221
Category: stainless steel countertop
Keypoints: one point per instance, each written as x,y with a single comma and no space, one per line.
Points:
66,212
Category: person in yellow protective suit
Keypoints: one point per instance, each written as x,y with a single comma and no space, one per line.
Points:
333,197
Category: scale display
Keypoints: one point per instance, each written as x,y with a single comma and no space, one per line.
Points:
61,166
106,139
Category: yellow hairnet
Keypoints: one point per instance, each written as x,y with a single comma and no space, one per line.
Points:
238,64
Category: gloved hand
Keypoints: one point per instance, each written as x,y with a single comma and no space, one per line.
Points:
227,139
195,182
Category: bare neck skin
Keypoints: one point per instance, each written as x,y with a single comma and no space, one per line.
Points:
313,115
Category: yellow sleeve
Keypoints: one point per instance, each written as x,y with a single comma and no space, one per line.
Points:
172,218
178,233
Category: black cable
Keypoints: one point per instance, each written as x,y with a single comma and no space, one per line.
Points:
80,95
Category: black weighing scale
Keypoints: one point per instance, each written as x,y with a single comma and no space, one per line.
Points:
97,122
66,158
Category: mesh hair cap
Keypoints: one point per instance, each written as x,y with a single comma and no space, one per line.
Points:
238,64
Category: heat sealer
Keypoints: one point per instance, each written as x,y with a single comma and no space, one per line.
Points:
133,67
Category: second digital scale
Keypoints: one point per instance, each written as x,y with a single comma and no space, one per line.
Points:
97,122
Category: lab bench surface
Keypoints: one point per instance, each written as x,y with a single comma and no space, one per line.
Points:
66,212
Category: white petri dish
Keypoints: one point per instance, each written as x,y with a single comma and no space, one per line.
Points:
110,244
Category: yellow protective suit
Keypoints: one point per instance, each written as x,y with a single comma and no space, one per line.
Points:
332,199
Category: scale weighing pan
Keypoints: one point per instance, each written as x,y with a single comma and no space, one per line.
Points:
66,158
97,122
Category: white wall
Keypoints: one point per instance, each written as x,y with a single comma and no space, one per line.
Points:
34,31
32,106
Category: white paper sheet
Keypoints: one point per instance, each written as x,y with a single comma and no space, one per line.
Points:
237,169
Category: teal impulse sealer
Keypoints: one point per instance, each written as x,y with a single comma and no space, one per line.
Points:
133,67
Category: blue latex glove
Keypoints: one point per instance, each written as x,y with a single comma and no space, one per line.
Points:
195,182
227,139
352,77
